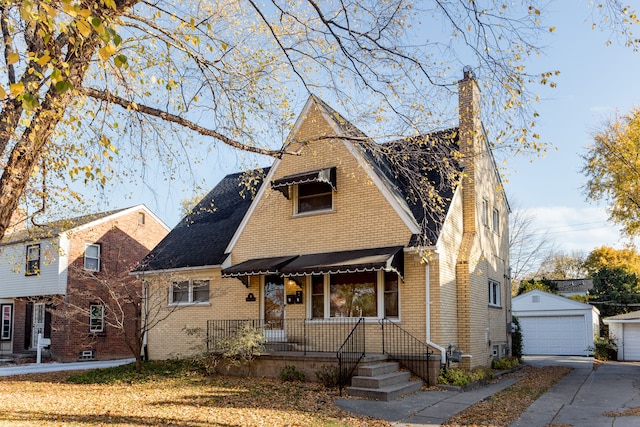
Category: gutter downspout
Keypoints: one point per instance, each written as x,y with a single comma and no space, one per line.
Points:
443,351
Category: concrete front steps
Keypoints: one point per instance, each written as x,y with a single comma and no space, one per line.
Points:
382,381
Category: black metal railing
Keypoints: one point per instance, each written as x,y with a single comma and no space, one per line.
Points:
350,354
412,353
305,335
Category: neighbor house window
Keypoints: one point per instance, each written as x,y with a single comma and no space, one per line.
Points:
313,197
33,260
354,295
96,318
6,317
496,220
189,292
494,293
92,257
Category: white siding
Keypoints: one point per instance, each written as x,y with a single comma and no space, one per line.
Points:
53,270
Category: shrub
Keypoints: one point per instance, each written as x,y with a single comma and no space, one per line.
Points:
505,363
604,348
290,373
328,375
460,377
517,342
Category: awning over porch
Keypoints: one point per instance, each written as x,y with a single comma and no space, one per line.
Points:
356,261
258,266
327,175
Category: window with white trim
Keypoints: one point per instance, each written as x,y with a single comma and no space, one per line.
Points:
494,293
485,213
313,197
189,292
33,260
96,318
496,220
6,319
92,257
366,294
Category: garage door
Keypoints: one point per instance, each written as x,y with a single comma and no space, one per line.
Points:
631,341
554,335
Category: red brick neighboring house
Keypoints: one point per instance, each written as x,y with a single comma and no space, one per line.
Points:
55,280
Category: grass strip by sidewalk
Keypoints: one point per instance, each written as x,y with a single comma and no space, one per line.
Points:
504,407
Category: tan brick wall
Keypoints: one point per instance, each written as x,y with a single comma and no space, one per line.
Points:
362,217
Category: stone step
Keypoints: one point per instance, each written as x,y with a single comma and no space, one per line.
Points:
385,393
375,369
381,381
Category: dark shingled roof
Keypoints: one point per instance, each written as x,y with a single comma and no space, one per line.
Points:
419,155
202,237
54,228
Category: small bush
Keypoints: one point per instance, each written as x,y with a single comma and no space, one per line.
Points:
517,340
505,363
328,375
460,377
604,348
290,373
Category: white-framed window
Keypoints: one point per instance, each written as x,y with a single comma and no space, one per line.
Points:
367,294
92,257
32,266
313,197
494,293
6,321
96,318
496,220
485,213
189,292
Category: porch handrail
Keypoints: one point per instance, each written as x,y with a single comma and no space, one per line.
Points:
350,354
412,353
306,335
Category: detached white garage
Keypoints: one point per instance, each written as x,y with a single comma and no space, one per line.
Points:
625,330
555,325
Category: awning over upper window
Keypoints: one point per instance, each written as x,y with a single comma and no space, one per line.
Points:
258,266
387,259
327,175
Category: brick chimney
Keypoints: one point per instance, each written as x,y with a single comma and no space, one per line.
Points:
470,131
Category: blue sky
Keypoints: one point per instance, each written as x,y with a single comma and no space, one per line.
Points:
595,82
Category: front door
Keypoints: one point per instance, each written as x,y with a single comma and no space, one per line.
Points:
274,308
37,326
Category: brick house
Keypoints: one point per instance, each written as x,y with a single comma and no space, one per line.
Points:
55,281
335,234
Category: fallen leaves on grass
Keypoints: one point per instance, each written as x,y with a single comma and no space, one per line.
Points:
188,401
504,407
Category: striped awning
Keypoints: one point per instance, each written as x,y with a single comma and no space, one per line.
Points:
327,175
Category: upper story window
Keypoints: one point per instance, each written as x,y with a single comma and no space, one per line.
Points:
92,257
33,260
496,220
485,213
313,197
189,292
311,191
141,218
494,293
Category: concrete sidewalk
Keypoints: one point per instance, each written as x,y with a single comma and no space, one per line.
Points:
35,368
585,396
424,408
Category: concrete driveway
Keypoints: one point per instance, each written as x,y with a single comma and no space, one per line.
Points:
584,396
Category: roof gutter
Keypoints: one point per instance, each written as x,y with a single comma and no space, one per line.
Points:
173,270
